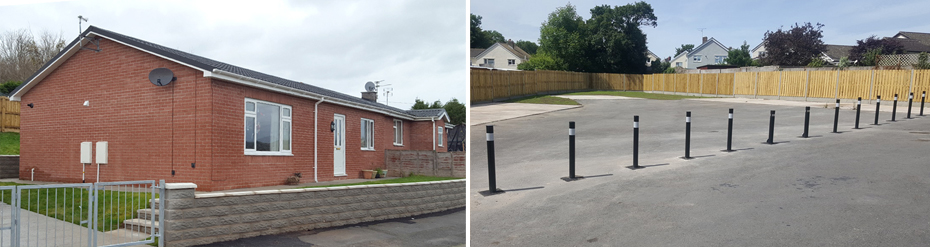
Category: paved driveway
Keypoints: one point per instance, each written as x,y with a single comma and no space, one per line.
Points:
865,187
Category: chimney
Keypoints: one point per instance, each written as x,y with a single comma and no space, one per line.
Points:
370,96
510,42
704,40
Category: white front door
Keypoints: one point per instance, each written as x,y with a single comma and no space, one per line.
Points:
339,147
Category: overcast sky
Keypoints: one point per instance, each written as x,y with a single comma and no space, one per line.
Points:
417,46
730,22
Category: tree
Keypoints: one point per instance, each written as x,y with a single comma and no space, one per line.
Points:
844,62
419,105
922,61
8,87
871,57
816,62
658,66
494,37
795,46
479,38
683,48
739,57
456,111
436,104
610,41
527,46
22,54
884,46
540,61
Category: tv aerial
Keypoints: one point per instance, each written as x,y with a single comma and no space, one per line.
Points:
161,76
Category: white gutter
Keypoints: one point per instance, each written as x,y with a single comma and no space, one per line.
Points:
434,133
316,126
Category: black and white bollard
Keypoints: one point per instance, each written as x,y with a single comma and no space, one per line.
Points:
878,104
910,102
836,116
894,107
923,95
571,149
730,132
858,110
492,178
636,142
807,121
771,139
687,136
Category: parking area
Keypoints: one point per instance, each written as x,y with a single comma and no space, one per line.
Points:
863,187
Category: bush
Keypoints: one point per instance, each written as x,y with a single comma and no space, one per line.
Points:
8,87
922,61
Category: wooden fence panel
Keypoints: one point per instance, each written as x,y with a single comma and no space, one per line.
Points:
768,83
921,83
694,83
890,82
709,83
635,82
793,83
479,87
725,83
681,83
854,84
746,83
822,84
9,115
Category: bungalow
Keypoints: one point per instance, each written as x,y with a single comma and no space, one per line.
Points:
709,52
214,124
504,56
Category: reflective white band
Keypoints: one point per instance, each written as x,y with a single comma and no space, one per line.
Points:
636,125
571,132
858,102
731,115
878,100
688,119
837,105
490,136
910,96
895,97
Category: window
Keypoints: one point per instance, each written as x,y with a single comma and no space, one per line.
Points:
511,62
678,64
719,59
267,127
368,135
398,132
439,133
489,62
696,58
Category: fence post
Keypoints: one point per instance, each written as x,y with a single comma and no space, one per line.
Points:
161,213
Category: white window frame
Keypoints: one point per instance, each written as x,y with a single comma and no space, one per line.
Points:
439,135
283,119
678,64
491,60
696,58
369,135
398,132
721,60
511,62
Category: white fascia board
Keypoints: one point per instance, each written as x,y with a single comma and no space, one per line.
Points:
252,82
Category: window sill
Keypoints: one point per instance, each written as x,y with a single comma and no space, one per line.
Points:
369,149
267,154
341,175
398,145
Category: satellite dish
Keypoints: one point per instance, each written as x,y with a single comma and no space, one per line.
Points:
370,87
161,76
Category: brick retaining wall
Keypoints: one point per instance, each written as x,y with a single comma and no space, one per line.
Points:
9,166
216,217
430,163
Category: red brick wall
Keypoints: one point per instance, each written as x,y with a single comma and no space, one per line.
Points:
153,130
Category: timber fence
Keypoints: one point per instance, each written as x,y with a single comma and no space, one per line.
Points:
498,85
9,115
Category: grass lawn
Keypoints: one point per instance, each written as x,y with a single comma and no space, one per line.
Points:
70,204
544,99
9,143
637,95
410,179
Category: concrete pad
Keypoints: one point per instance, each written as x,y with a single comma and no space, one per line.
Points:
589,97
493,112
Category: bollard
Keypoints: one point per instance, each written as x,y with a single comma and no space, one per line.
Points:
910,102
807,121
636,142
491,176
922,96
858,109
687,136
836,116
771,139
571,149
878,104
894,107
730,132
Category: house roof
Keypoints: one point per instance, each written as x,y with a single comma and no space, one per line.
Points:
476,51
702,46
912,46
923,38
836,52
760,45
429,113
515,50
211,68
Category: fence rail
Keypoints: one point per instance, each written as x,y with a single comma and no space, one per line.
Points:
498,85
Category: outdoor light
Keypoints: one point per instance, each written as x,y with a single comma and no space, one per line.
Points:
30,105
332,126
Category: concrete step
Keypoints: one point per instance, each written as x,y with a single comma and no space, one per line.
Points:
147,214
140,225
155,205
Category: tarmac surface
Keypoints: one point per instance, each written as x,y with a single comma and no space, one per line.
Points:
445,228
865,187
